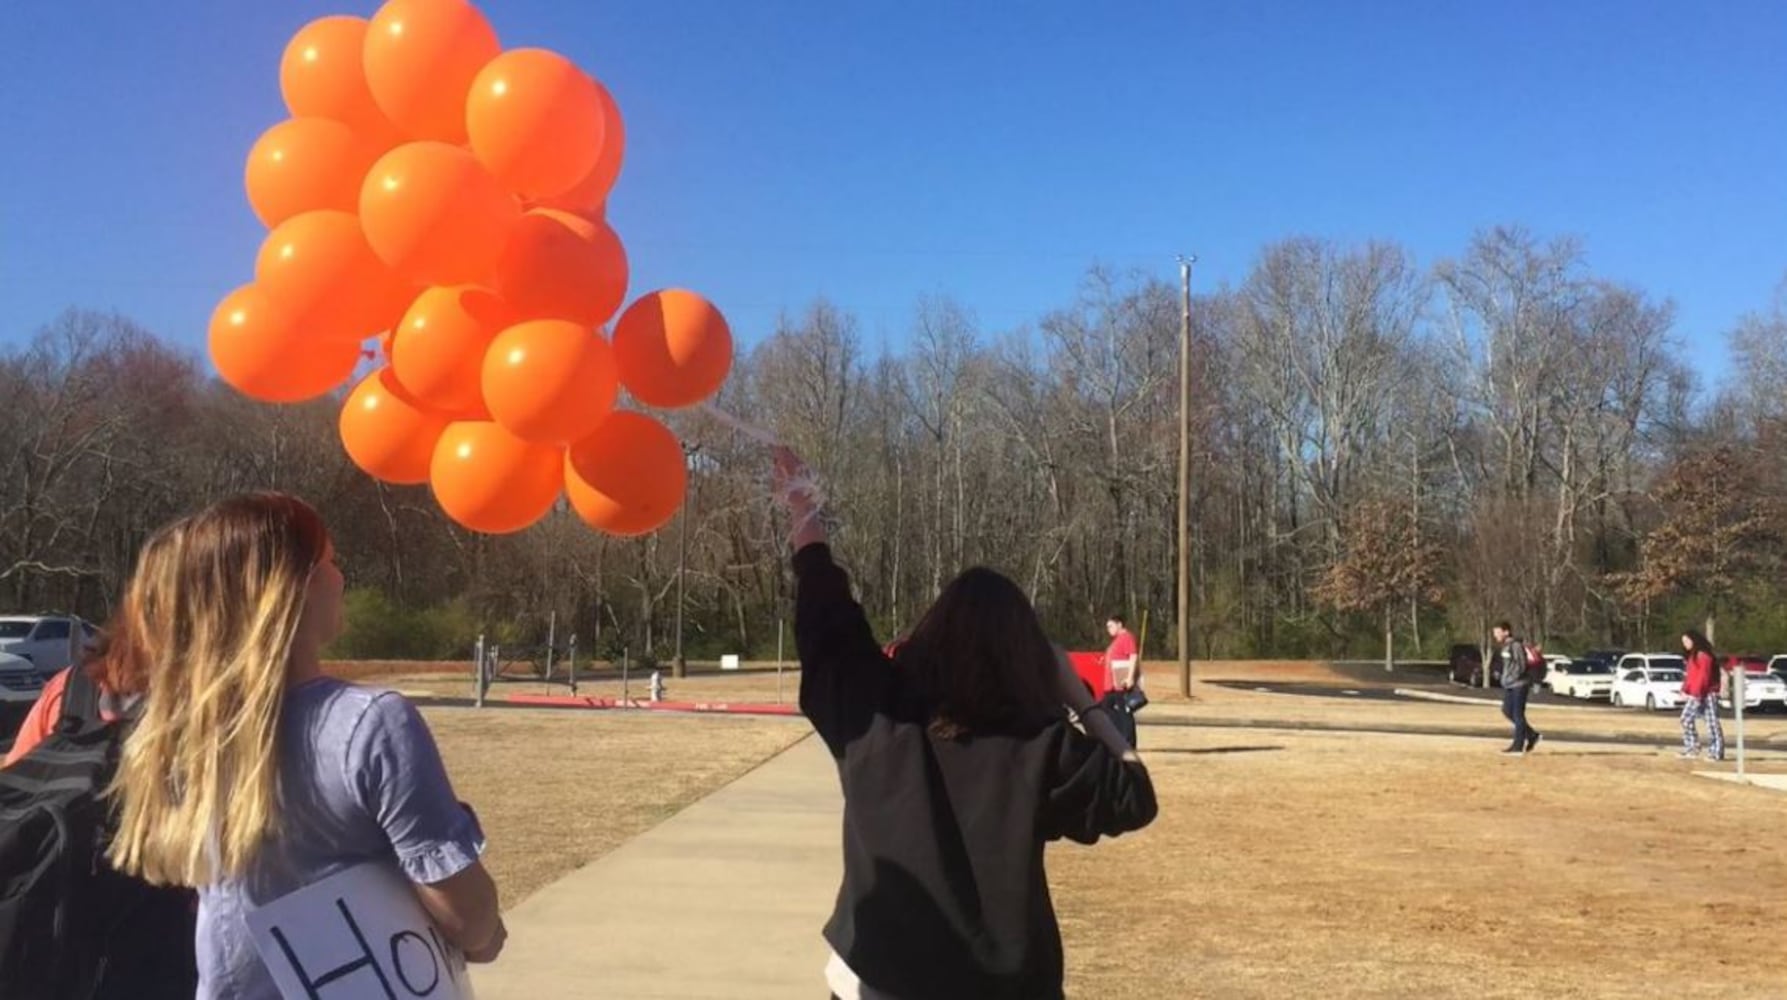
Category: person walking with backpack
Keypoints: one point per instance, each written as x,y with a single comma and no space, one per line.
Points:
958,765
1123,679
71,925
1517,688
250,774
1700,690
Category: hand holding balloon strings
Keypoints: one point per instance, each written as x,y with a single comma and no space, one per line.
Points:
798,490
794,484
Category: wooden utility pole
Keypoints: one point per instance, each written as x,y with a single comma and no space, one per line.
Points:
1185,476
679,667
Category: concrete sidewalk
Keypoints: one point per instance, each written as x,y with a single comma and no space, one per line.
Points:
724,900
1778,782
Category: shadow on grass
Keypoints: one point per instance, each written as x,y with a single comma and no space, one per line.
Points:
1200,751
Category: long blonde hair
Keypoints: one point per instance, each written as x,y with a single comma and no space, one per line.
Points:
221,597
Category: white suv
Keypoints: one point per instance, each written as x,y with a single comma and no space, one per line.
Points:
50,642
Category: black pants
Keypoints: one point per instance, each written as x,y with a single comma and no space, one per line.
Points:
1514,708
1120,715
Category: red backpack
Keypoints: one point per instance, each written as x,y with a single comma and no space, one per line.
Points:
1535,662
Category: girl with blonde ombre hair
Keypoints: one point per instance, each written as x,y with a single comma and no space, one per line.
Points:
250,773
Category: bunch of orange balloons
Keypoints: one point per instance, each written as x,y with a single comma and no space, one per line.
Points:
446,194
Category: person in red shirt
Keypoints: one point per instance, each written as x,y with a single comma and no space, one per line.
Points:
1700,687
1123,668
151,954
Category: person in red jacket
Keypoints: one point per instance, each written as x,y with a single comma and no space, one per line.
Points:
149,953
1701,690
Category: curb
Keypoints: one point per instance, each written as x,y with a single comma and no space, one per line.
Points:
1772,782
1459,699
610,704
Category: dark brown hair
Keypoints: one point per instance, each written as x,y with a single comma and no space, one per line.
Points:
980,659
1698,640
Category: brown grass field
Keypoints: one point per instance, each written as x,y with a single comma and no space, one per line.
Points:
1284,863
1342,865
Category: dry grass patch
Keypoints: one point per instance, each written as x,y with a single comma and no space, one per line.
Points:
556,789
1294,865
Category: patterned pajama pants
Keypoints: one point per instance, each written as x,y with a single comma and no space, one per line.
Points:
1706,706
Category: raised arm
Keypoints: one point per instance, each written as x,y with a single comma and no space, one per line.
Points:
843,674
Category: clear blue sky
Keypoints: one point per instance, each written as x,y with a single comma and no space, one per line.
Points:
874,152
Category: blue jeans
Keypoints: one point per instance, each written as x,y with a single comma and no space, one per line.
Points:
1514,708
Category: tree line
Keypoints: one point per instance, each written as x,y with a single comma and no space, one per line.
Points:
1382,455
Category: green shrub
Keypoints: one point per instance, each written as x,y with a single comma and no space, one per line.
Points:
378,629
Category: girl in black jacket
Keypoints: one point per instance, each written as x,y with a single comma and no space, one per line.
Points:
958,763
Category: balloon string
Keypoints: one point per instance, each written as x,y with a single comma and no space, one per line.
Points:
758,434
807,483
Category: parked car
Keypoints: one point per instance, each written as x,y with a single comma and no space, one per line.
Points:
1465,665
50,642
1762,689
1777,665
20,680
1653,680
1611,657
1580,679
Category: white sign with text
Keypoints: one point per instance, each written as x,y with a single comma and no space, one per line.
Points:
359,934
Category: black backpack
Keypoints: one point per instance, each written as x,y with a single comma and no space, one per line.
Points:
71,927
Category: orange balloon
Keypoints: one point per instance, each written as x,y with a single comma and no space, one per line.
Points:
259,349
321,75
673,348
318,267
562,266
492,481
628,477
387,433
437,352
549,380
303,164
432,213
535,121
587,198
421,57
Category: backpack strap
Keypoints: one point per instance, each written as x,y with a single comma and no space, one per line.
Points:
80,702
